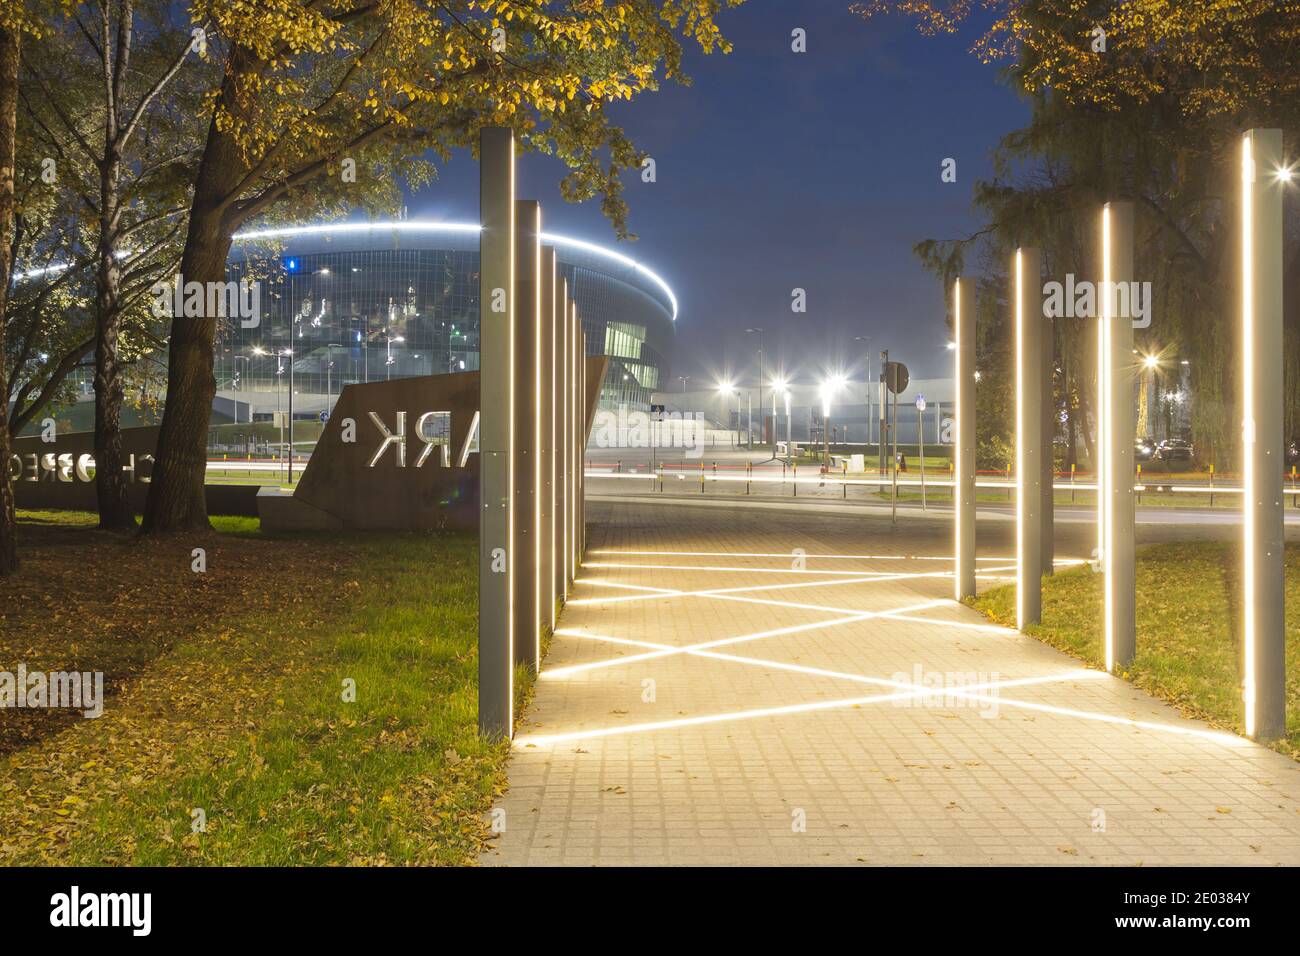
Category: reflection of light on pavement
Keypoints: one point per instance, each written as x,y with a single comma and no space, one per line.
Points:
908,692
560,672
659,593
988,692
787,554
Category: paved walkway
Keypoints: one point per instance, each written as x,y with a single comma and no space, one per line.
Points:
714,697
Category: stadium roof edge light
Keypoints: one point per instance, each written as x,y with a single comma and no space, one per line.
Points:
418,225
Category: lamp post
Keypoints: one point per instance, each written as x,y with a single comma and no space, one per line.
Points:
724,392
778,385
1149,365
788,423
329,368
866,344
238,385
389,360
279,370
683,379
829,387
759,332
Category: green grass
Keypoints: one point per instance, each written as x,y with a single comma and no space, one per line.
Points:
1188,628
251,726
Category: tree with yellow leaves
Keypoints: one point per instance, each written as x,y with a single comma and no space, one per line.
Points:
309,85
1144,101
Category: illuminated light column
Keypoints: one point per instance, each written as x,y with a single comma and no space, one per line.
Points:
1118,430
575,454
1026,269
582,437
546,408
1048,547
1262,183
562,439
496,432
528,303
963,304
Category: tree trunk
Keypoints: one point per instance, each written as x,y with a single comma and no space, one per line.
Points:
110,487
10,41
176,499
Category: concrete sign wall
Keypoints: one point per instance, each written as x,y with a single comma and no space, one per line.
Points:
398,455
60,474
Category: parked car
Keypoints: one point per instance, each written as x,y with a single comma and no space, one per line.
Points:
1144,449
1174,449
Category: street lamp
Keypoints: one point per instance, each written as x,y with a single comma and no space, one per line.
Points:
329,385
279,370
781,387
759,332
829,387
726,389
237,384
389,361
683,379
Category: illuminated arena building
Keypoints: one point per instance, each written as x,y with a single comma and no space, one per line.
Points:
361,302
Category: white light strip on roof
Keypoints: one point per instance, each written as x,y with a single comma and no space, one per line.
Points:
417,225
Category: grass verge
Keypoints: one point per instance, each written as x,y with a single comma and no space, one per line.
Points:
1188,628
235,737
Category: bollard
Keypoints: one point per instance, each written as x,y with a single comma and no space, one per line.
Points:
702,477
1072,484
1008,479
1139,483
1212,484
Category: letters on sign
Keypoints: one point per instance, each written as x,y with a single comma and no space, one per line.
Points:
432,431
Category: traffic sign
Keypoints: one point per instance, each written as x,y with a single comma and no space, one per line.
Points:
920,402
895,376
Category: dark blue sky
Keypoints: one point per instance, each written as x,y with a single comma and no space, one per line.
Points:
775,170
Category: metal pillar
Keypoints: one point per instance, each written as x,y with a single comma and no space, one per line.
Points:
964,448
546,407
496,432
1263,635
564,438
1115,401
884,412
1026,298
575,451
1048,546
583,385
528,265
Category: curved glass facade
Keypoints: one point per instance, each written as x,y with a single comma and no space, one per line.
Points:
360,304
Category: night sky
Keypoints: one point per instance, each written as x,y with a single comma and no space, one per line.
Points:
779,170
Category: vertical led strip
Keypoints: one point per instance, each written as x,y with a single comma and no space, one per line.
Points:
536,625
1103,390
1105,504
1249,688
511,294
1020,446
959,489
563,329
959,511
